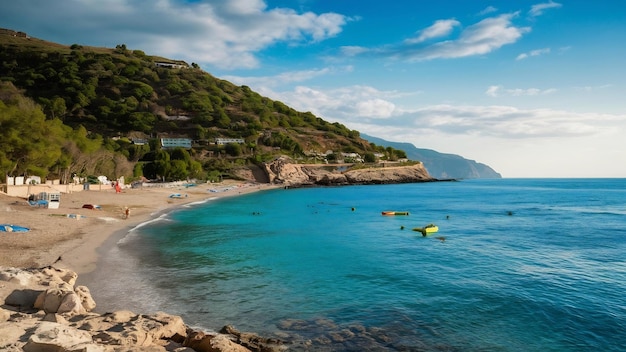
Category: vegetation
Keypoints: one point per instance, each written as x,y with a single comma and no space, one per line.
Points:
80,110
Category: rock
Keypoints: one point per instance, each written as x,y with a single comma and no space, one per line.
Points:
50,300
120,316
71,305
23,299
253,341
12,334
202,342
62,300
397,174
55,318
283,171
128,329
165,326
17,276
45,313
4,315
56,275
52,337
85,298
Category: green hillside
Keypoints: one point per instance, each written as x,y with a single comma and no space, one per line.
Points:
79,110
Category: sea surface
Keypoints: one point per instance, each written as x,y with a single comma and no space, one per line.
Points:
517,265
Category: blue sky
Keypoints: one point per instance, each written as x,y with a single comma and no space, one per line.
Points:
530,88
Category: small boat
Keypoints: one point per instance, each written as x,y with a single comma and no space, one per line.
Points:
395,213
13,228
427,230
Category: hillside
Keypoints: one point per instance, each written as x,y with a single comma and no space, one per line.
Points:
440,165
103,105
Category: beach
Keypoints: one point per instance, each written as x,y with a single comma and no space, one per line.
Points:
68,237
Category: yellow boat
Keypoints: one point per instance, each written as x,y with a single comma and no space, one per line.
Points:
395,213
427,230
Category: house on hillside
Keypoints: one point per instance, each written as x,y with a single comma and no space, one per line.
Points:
169,143
139,141
223,141
169,65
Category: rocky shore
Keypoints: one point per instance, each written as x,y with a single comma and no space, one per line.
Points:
284,171
42,310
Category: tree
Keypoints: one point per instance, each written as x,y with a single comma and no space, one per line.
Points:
233,149
369,157
29,144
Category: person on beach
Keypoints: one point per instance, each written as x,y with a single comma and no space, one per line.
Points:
126,212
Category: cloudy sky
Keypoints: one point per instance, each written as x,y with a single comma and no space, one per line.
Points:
530,88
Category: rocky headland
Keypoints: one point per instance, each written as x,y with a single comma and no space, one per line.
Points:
285,172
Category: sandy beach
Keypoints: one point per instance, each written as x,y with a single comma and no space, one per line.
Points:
71,242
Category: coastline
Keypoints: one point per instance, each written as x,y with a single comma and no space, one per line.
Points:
73,243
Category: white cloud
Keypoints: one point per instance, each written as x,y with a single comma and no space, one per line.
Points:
440,28
537,10
478,39
375,108
487,10
203,32
498,91
285,77
353,50
374,112
594,88
493,91
537,52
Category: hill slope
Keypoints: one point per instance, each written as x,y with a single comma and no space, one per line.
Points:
118,96
101,100
440,165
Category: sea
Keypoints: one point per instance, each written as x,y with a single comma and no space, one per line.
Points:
517,265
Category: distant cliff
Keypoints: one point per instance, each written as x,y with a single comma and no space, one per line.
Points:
284,171
440,165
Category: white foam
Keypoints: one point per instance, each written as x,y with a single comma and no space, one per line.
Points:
188,205
131,233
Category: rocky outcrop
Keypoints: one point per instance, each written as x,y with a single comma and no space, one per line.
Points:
283,171
42,311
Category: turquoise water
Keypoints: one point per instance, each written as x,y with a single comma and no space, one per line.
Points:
526,265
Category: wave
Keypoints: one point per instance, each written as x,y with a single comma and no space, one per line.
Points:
131,234
200,202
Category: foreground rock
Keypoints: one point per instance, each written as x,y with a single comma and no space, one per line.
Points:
284,171
41,310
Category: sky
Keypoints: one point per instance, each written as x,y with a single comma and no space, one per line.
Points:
530,88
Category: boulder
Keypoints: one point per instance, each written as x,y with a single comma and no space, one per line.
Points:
60,300
253,341
18,276
51,274
53,337
46,313
282,171
202,342
85,298
22,299
128,329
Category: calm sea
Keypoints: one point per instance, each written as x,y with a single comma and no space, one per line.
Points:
517,265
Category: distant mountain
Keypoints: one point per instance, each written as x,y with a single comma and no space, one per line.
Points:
440,165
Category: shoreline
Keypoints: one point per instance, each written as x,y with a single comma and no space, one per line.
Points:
74,243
